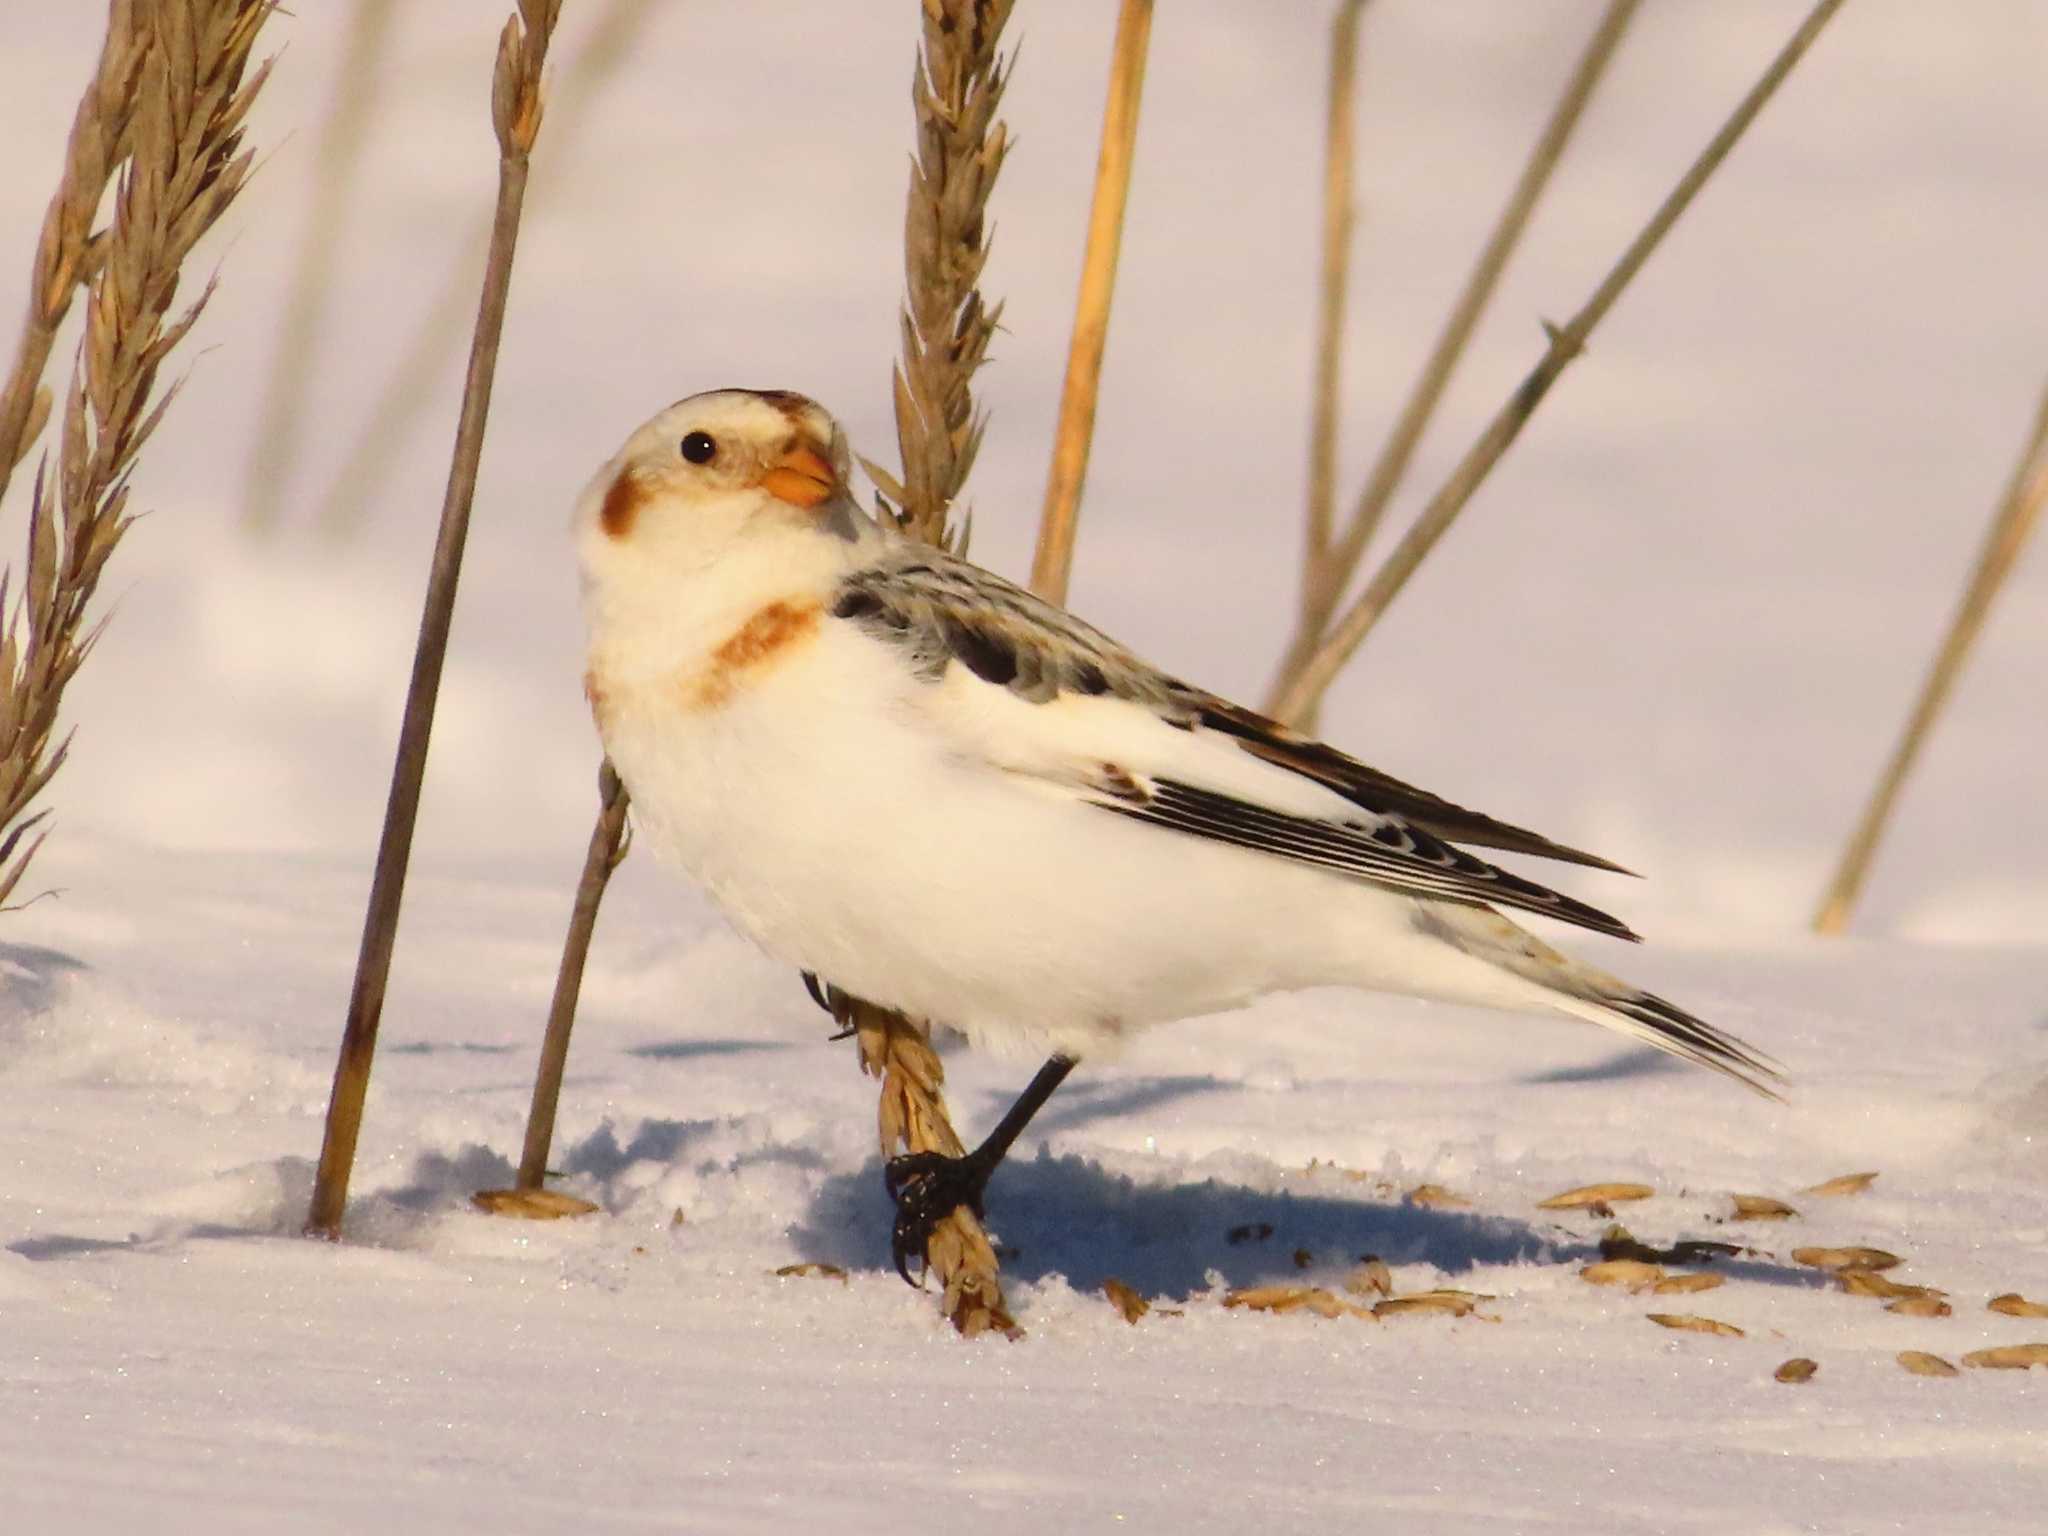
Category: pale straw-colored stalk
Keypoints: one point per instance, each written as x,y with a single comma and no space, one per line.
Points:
1300,698
163,118
2012,523
1339,135
1054,558
516,116
1332,562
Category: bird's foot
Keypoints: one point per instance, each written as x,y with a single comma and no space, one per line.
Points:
927,1188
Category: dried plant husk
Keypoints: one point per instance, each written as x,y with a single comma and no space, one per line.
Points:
532,1204
1595,1194
1761,1208
1127,1301
1629,1274
1841,1184
1691,1322
2013,1304
1676,1285
1921,1363
1295,1298
163,121
1451,1303
1919,1306
2008,1357
1436,1197
1872,1259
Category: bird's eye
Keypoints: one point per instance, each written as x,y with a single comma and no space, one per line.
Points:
700,448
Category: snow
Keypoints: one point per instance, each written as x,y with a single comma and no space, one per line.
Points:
1679,626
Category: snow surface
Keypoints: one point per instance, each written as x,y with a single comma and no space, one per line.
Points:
1679,626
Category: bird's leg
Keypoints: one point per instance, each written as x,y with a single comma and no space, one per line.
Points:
927,1187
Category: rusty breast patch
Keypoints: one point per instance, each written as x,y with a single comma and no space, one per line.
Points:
766,638
622,502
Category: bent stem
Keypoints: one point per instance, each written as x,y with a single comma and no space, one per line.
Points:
1301,697
516,115
1329,567
608,844
2018,510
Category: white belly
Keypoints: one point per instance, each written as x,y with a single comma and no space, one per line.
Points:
850,842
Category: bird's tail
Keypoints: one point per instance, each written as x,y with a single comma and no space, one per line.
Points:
1586,992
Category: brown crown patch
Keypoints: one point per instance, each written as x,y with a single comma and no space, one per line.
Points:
622,502
770,633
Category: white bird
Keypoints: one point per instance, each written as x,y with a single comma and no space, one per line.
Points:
904,774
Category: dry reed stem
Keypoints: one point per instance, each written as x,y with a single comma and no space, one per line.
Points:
2019,508
375,454
947,326
1338,136
1329,567
1054,558
65,252
516,116
608,844
168,105
336,164
1302,695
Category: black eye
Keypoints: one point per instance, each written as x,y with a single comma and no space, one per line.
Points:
699,448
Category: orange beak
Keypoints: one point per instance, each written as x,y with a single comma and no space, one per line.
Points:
803,477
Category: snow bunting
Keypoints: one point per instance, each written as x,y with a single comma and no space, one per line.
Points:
903,774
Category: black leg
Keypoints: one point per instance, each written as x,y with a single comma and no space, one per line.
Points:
927,1187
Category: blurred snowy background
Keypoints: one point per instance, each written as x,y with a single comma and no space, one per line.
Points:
1680,625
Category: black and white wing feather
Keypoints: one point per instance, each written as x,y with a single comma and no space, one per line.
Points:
943,612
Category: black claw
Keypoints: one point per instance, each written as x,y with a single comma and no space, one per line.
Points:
927,1188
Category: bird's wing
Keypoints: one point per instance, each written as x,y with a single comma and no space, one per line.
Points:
1038,692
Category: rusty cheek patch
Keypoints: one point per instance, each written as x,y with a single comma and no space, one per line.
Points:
770,634
622,501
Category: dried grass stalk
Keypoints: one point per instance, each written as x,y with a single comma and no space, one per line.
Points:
166,110
1338,137
1054,557
1299,699
2019,509
1330,565
67,253
609,841
336,166
516,116
947,326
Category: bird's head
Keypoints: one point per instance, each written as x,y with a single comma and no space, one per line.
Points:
715,473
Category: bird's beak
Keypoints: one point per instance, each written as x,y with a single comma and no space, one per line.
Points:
803,476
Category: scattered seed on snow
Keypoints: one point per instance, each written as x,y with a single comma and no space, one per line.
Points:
2008,1357
1843,1184
2013,1304
1631,1274
1919,1306
1125,1300
1436,1197
1872,1259
1920,1363
1761,1208
1796,1370
1595,1194
1690,1322
1677,1285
